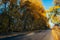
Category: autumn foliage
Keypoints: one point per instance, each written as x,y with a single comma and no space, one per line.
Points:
27,16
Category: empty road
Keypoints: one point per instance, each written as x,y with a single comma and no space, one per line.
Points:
43,35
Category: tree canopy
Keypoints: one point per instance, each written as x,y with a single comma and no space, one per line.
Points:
29,15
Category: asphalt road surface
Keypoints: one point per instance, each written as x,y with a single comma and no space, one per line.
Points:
43,35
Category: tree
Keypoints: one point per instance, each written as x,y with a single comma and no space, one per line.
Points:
36,12
15,15
55,14
10,17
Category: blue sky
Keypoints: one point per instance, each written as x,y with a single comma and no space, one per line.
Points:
47,4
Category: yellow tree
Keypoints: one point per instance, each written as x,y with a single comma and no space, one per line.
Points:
29,7
54,12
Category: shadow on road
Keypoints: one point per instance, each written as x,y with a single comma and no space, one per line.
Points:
37,34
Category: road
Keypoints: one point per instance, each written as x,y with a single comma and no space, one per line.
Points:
44,35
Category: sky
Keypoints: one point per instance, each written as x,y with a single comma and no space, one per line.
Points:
47,4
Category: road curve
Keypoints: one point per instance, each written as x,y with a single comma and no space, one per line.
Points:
44,35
